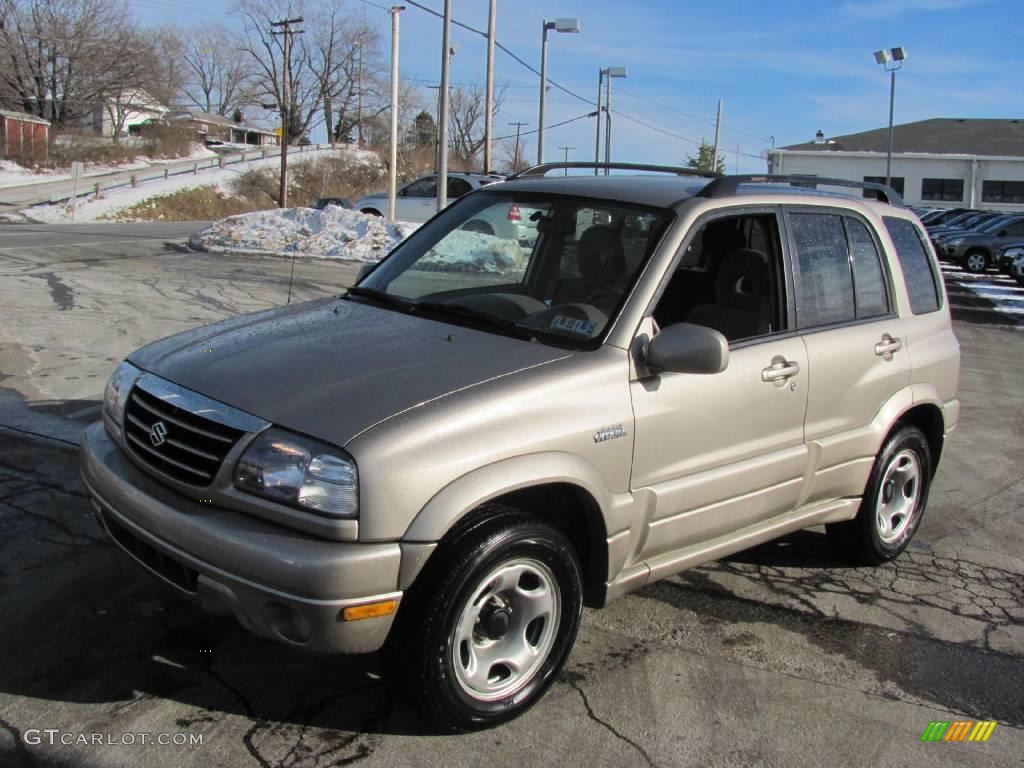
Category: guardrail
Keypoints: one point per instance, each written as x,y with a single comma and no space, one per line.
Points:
96,185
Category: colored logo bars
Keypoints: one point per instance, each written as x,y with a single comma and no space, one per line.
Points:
960,730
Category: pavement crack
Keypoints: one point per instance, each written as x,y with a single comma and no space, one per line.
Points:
608,726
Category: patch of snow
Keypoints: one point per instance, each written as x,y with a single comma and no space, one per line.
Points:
333,233
477,252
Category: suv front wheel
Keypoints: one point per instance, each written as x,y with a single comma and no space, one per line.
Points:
893,503
976,262
493,622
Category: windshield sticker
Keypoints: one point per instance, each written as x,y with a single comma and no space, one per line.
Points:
573,325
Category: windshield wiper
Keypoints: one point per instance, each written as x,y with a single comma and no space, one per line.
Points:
501,325
381,297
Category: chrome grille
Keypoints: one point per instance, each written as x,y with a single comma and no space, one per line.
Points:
183,445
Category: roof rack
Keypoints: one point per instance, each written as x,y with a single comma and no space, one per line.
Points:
544,168
726,186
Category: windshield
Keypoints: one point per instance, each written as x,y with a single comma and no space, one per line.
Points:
996,223
535,265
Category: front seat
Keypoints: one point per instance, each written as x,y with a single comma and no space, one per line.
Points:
741,293
601,262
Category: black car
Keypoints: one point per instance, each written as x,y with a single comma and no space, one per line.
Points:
323,202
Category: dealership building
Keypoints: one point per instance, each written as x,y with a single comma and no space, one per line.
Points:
937,163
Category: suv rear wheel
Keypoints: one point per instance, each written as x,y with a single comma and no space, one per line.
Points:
493,623
894,501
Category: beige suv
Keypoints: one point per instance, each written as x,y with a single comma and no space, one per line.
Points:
487,434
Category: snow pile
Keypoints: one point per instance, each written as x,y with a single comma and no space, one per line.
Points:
475,252
333,233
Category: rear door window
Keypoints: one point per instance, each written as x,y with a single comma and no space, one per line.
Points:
918,268
824,282
869,291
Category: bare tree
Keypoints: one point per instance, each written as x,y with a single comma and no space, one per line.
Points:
63,58
468,108
220,74
345,58
513,163
267,53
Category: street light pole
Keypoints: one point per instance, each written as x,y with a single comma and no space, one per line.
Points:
892,60
489,115
393,157
597,138
559,25
442,122
610,72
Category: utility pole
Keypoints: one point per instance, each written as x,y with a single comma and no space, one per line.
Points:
737,159
607,125
393,157
566,150
442,123
489,115
359,99
718,135
515,156
283,28
597,139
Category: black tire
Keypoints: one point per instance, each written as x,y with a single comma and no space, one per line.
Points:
478,225
425,640
975,262
371,212
863,540
1019,279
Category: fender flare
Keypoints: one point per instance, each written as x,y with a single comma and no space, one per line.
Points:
461,496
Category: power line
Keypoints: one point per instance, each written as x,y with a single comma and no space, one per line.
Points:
698,118
548,127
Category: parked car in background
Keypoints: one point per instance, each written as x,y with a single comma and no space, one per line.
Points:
1008,256
1017,267
323,202
942,216
984,227
975,251
417,200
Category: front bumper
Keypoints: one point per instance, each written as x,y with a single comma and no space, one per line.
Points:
278,583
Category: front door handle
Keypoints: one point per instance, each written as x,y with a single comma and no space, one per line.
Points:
887,346
780,370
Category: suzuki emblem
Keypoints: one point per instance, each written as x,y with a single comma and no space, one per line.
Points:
158,434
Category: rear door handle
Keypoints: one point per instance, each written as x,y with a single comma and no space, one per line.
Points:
779,370
887,346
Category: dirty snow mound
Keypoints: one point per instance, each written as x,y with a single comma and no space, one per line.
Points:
333,233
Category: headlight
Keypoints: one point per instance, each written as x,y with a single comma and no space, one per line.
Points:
300,472
1014,253
954,242
115,395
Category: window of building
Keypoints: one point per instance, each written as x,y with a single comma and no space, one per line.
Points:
896,183
918,269
949,190
1002,191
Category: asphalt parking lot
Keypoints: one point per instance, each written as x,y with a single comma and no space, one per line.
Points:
778,656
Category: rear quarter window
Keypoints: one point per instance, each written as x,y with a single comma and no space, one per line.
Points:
918,268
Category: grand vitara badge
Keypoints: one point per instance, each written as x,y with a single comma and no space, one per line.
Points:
609,433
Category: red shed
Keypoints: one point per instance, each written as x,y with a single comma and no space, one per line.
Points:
23,136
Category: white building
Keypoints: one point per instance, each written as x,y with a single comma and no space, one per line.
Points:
937,163
123,111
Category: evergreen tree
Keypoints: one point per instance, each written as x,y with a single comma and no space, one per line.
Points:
704,159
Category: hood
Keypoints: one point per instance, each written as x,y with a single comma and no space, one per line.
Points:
333,368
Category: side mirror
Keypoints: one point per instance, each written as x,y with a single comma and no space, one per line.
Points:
364,270
688,348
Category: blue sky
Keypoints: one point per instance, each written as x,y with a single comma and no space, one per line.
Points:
784,68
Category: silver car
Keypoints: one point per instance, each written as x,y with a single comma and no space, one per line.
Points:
452,459
417,200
